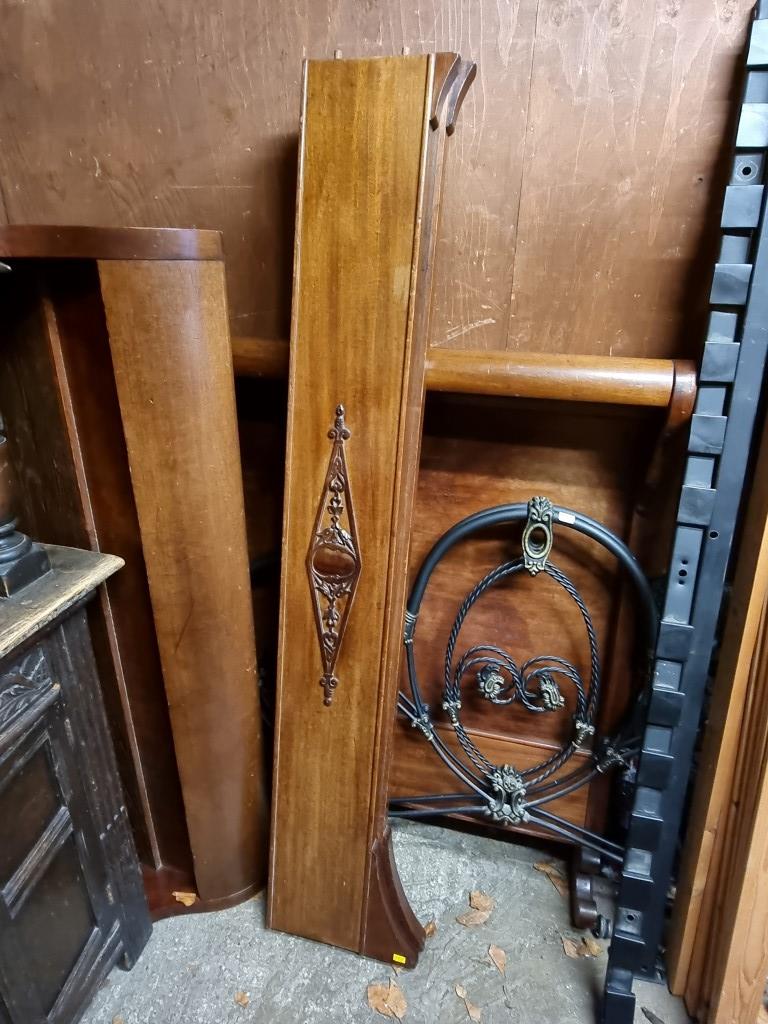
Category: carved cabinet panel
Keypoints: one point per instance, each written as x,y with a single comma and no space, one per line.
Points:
71,902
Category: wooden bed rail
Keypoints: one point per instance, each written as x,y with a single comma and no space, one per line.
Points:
664,383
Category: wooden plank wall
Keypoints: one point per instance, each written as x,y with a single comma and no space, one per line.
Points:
579,181
581,215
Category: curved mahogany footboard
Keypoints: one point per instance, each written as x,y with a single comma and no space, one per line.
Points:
391,930
117,390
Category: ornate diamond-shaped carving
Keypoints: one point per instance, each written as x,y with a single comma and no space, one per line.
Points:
333,559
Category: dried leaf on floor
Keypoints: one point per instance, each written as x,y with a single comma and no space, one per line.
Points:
498,958
388,1000
762,1015
187,898
571,947
555,874
472,1011
396,1000
471,918
118,1020
242,998
430,928
584,946
594,948
377,999
651,1016
481,901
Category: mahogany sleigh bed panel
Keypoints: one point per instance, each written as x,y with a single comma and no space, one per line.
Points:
117,393
370,162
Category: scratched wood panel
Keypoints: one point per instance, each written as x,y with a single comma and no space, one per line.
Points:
599,123
187,113
629,116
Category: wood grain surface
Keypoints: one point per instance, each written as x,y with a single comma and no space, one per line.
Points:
717,941
59,406
567,377
734,973
75,574
417,772
357,342
122,623
585,169
171,357
478,453
30,241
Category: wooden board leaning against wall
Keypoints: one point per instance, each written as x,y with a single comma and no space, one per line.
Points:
369,193
582,179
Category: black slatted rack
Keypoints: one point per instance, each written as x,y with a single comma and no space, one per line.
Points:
730,385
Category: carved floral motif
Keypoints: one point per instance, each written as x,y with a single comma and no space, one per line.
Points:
333,559
21,686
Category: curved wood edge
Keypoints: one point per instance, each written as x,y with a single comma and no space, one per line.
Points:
452,79
660,383
160,885
683,397
446,69
391,932
464,78
171,358
37,241
680,407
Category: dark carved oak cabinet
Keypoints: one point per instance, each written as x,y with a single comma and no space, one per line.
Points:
71,899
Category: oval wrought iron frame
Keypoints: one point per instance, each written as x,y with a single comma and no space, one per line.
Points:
504,795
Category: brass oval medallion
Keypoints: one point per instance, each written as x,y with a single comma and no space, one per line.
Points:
334,562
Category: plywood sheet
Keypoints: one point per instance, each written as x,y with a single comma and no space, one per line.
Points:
581,175
629,112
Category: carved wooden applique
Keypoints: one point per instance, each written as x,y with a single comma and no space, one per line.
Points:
370,164
333,562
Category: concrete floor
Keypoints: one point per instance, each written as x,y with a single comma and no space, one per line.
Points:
194,966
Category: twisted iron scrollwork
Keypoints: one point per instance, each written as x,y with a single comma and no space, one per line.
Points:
540,685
